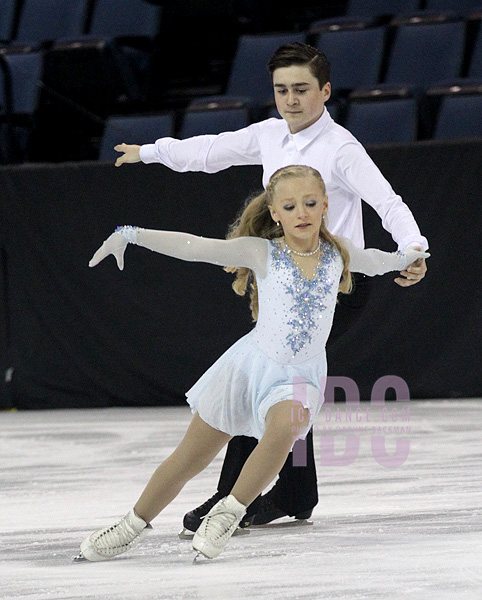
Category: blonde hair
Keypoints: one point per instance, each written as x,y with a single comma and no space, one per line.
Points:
255,220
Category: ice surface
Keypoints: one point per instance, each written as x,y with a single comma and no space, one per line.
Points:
407,532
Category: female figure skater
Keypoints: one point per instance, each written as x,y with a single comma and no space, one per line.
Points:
269,384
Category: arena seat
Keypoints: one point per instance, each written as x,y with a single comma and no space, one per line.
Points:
427,48
198,122
47,20
388,120
141,129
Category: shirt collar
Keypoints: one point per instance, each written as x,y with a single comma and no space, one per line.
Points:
306,136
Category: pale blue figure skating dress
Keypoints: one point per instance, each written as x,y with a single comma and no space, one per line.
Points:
283,357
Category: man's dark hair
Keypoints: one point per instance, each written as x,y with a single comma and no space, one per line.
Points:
301,54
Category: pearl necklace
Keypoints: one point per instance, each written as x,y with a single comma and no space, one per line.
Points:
303,253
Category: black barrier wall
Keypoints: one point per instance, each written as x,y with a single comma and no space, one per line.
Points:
71,336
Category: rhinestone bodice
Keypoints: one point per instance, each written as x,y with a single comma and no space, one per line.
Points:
296,313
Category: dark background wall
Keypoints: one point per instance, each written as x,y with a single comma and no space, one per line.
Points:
71,336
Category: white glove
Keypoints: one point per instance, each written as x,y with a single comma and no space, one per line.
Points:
412,255
115,244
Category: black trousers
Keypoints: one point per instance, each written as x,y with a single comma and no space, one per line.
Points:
296,489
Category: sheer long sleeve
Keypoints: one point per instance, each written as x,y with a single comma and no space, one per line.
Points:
250,252
377,262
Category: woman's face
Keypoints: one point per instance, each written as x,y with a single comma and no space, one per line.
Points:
299,205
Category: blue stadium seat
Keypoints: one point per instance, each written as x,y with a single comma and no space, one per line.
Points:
367,8
19,96
249,79
340,24
475,66
129,18
5,145
459,116
198,122
95,74
25,72
42,20
248,73
383,121
460,111
142,129
355,56
426,50
14,145
7,19
115,54
461,6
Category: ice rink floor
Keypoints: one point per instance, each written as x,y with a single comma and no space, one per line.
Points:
394,532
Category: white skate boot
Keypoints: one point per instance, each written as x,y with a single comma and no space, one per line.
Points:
218,526
112,541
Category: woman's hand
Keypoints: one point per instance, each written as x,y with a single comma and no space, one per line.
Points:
115,244
131,154
415,271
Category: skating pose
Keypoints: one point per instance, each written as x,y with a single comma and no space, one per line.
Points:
270,383
306,135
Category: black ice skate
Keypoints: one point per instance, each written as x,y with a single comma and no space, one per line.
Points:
267,511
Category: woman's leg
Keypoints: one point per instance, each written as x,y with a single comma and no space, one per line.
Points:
200,445
267,459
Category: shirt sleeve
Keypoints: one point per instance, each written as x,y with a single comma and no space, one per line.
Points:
371,261
207,153
250,252
355,170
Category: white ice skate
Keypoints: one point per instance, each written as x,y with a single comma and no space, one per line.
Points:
112,541
218,526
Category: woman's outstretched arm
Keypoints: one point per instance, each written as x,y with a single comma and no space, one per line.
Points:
250,252
377,262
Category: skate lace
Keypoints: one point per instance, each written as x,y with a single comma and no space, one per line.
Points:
118,536
219,524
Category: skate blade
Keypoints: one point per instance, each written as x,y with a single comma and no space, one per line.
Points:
199,558
186,534
284,524
79,558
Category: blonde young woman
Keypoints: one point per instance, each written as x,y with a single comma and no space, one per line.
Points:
269,384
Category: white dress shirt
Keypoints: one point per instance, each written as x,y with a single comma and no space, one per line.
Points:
349,173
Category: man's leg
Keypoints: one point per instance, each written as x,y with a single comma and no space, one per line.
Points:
237,452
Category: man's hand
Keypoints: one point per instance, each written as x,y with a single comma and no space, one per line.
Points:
413,273
131,154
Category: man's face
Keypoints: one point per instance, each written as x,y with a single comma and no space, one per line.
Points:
298,97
